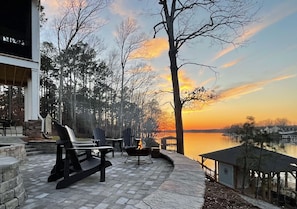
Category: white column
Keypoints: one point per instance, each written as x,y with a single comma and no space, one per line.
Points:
32,96
35,31
32,89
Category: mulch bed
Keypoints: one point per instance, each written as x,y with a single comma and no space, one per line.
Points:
219,196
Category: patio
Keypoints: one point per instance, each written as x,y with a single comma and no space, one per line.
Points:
128,185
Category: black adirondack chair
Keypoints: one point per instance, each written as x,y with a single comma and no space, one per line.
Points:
99,137
72,166
127,138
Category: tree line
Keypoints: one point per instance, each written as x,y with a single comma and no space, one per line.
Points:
91,94
82,88
117,91
279,124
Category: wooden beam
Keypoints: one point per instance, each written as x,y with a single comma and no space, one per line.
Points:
278,187
216,178
13,75
269,186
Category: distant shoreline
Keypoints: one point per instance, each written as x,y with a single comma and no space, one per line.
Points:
197,131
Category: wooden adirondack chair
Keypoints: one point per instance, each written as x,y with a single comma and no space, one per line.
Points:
71,167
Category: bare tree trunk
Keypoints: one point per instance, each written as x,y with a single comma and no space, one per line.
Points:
175,84
177,104
122,100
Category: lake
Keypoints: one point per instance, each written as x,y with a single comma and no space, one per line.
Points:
201,143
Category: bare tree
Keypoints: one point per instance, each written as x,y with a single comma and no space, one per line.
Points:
141,79
128,40
188,20
282,122
78,22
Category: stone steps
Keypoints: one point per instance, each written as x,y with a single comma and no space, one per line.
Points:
31,150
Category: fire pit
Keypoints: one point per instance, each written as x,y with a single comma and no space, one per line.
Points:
134,151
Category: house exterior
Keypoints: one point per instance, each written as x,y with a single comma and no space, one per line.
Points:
289,136
20,51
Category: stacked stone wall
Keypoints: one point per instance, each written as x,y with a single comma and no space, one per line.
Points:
32,129
16,150
12,191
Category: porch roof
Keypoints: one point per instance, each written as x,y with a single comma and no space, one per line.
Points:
14,75
270,161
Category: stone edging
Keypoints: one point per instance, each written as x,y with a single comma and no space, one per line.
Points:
12,192
15,150
183,189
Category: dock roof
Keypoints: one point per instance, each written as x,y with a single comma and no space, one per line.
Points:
270,161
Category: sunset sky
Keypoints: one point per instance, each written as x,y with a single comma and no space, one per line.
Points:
258,79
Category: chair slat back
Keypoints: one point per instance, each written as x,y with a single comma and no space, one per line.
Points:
71,134
99,134
65,139
127,137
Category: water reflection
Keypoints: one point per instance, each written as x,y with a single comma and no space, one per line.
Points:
201,143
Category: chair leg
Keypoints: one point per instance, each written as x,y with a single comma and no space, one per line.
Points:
150,156
126,159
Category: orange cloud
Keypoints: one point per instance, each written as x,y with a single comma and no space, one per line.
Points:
185,82
230,64
274,16
151,49
249,88
165,86
234,92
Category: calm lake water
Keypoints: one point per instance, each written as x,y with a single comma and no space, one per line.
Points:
201,143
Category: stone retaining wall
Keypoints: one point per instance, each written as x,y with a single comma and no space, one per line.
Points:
12,192
15,150
183,189
45,146
32,129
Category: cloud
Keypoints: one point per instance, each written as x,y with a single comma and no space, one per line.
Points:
244,89
186,83
274,16
52,7
231,63
234,92
151,49
119,7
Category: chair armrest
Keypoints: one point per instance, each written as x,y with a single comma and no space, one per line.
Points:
100,148
84,144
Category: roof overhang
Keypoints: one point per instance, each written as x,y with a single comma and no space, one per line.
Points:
270,161
14,75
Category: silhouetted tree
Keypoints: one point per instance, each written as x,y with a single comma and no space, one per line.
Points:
79,21
184,21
